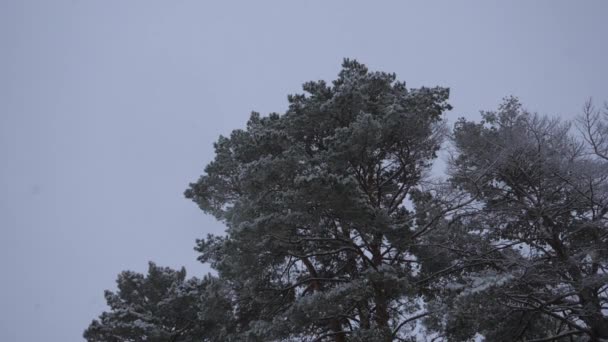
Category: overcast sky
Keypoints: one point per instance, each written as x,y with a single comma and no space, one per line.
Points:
108,109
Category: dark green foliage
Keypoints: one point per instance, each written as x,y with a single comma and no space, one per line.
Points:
335,231
164,306
318,235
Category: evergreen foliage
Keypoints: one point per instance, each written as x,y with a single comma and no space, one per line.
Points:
164,306
336,232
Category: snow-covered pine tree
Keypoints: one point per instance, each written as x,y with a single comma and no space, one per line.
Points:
319,242
164,306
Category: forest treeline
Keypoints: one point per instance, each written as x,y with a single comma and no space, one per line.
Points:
338,229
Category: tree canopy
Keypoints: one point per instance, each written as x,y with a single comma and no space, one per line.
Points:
336,229
164,306
543,198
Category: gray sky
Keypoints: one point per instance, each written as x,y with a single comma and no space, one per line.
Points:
109,108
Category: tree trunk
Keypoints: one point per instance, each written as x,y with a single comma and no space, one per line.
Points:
334,324
593,316
380,298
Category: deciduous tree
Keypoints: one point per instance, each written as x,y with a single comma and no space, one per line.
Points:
542,196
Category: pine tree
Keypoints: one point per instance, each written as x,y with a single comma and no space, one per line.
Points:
336,232
164,306
319,240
